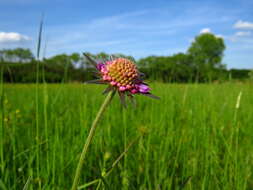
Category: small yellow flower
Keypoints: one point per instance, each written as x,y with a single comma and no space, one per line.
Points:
107,155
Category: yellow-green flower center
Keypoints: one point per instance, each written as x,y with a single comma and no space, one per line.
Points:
122,71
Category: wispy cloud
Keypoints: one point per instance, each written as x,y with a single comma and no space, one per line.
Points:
243,37
10,37
150,29
243,25
243,34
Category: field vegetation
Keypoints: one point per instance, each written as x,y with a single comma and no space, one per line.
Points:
198,136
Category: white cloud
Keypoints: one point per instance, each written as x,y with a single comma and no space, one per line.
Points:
205,30
7,37
243,25
243,34
244,37
208,30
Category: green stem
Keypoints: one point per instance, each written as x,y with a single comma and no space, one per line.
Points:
90,136
109,170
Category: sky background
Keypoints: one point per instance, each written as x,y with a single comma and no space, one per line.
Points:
134,27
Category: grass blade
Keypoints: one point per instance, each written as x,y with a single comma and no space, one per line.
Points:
27,183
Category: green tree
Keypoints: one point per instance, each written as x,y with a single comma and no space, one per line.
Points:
124,56
206,53
182,68
251,75
20,55
175,68
158,67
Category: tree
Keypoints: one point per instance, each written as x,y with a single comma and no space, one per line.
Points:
124,56
182,70
251,75
206,53
16,55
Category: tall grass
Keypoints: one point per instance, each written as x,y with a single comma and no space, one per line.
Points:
196,137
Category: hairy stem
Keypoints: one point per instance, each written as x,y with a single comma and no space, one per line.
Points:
90,137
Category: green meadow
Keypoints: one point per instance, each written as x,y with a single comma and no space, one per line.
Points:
197,136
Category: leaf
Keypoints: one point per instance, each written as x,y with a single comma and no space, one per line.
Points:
96,73
111,58
185,182
96,81
2,185
39,38
151,96
90,60
104,182
27,183
142,75
137,81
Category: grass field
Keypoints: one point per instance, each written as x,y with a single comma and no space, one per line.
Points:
195,137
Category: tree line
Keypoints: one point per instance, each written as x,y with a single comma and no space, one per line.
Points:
202,62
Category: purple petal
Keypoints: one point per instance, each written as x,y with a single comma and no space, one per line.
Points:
143,88
108,62
100,66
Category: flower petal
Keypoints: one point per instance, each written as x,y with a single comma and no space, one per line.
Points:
143,88
100,65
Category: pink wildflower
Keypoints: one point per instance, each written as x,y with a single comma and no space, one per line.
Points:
123,76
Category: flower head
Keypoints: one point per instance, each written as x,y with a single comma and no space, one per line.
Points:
121,75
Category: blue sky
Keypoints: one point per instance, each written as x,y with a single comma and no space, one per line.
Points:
138,28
